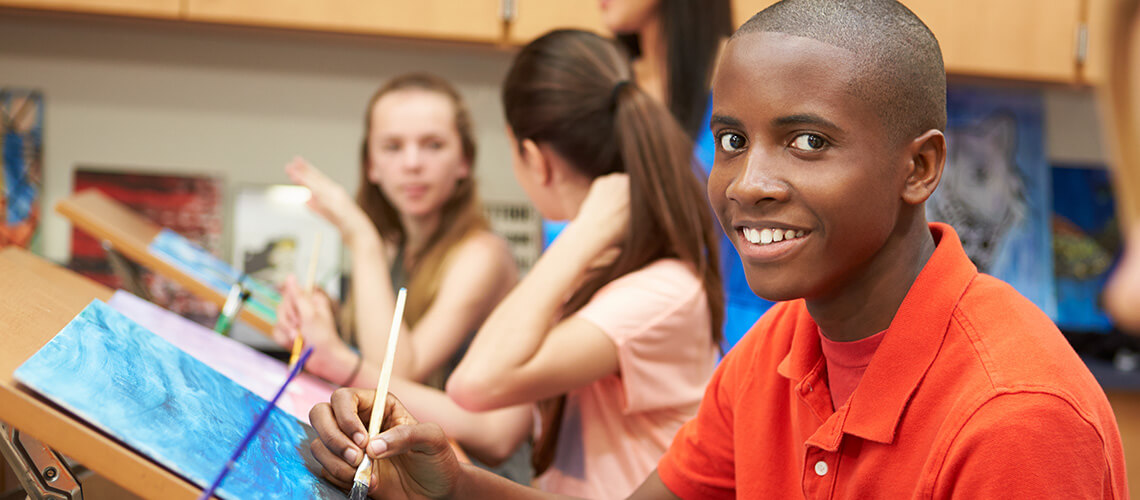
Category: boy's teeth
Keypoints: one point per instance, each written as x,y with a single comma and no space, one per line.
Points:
766,236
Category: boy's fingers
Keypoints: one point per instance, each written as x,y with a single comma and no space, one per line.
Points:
427,439
351,406
332,437
335,466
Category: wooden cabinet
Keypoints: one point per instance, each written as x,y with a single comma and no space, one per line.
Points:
467,20
137,8
1030,40
1017,39
532,18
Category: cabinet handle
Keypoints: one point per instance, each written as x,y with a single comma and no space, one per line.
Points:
508,10
1081,51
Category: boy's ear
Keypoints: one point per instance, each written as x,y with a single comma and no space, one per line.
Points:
537,165
927,158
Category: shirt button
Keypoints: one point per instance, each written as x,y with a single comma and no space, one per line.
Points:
821,468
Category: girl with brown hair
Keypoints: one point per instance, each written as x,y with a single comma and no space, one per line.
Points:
416,222
615,329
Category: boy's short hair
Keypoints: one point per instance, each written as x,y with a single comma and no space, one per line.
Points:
903,75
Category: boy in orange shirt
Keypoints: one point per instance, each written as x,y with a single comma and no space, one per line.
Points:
892,369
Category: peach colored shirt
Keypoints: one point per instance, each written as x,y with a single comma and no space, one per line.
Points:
616,429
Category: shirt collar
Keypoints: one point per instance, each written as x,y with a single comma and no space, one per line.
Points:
908,348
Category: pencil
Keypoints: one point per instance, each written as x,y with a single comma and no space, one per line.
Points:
256,426
298,341
364,471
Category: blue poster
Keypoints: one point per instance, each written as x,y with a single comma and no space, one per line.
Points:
1086,245
995,190
172,408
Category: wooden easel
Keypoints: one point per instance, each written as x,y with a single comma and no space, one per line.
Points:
37,300
129,234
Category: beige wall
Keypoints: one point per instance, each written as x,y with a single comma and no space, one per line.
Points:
175,98
241,102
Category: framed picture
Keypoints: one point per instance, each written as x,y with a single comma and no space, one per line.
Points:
21,184
996,186
1086,245
275,234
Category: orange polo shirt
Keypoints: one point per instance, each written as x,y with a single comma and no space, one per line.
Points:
973,393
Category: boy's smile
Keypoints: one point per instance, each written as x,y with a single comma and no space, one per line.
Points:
806,180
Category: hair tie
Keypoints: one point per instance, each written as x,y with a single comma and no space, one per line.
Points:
621,84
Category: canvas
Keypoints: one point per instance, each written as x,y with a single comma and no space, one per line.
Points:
249,367
21,180
206,268
995,188
1086,245
172,408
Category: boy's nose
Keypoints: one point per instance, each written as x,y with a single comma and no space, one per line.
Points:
759,181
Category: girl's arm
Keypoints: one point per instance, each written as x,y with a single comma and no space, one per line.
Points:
518,355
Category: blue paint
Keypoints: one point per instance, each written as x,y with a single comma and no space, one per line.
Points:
158,400
214,272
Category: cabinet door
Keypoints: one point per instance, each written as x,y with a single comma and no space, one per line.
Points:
1017,39
533,18
143,8
468,20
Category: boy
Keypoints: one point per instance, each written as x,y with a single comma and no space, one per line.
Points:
892,369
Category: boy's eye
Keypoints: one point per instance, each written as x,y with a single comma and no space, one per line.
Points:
808,142
731,142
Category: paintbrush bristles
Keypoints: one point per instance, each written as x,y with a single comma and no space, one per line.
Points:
364,470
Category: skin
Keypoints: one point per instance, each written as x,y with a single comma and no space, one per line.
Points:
642,17
796,150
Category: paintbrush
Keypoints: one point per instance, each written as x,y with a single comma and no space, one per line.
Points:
364,471
298,341
256,426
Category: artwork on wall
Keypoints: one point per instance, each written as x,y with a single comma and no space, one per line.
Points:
21,182
147,387
1086,245
521,225
191,205
995,188
274,236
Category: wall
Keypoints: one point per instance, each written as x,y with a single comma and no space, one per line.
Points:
166,97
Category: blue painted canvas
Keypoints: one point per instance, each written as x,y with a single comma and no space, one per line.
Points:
1086,245
995,189
172,408
206,268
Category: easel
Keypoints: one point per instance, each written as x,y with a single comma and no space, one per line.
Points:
42,472
128,235
36,301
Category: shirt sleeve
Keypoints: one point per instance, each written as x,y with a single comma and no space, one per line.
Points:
658,318
701,462
1027,445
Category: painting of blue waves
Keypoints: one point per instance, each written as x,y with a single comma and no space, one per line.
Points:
172,408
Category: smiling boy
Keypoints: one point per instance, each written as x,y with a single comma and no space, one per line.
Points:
891,368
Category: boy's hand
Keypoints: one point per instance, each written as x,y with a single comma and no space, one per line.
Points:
414,459
606,209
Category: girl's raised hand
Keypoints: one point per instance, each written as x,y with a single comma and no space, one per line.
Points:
329,199
606,209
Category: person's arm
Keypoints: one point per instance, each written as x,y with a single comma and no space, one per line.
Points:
414,458
518,356
491,437
478,275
